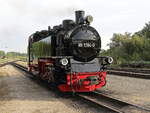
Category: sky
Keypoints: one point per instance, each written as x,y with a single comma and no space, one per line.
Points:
20,18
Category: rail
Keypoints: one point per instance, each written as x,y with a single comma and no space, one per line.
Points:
112,103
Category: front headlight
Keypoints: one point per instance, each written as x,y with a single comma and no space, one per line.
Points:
89,19
109,60
64,61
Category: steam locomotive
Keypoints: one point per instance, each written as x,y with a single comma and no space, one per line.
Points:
68,55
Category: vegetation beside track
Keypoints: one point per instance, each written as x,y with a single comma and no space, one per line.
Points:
11,56
5,60
130,49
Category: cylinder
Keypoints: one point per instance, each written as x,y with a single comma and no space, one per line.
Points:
79,15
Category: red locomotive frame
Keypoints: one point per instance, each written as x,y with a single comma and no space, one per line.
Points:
76,82
85,87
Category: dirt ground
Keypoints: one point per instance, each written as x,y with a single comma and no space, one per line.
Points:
130,89
19,94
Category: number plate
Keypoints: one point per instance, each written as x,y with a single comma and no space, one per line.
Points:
86,45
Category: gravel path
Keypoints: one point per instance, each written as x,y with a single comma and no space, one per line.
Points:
130,89
19,94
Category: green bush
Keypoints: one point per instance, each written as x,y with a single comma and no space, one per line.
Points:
126,48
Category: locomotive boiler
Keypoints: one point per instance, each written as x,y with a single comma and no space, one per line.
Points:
68,55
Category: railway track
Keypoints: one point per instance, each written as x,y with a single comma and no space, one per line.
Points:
23,68
20,67
96,98
4,64
113,104
129,73
134,70
1,65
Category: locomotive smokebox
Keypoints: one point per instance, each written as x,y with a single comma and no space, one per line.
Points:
79,15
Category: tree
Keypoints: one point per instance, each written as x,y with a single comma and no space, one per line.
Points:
126,47
145,32
15,54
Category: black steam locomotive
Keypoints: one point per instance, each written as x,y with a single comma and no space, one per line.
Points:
68,55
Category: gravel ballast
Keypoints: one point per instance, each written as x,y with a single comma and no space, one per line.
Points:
134,90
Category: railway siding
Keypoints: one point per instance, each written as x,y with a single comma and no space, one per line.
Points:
129,74
135,70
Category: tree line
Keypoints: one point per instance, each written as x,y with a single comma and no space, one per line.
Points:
12,54
129,47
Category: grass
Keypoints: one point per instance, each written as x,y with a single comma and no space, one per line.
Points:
6,60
